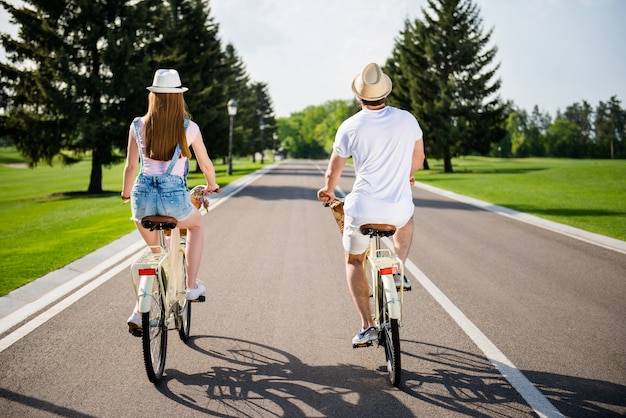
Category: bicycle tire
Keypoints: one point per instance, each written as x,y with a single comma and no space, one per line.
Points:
184,318
390,340
154,337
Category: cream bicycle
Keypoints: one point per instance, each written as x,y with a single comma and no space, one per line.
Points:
159,277
381,264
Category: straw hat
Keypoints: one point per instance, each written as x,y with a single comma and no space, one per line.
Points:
166,81
371,84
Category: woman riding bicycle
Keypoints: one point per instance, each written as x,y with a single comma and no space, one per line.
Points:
160,141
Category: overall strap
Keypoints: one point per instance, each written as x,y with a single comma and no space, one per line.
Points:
177,152
139,140
173,161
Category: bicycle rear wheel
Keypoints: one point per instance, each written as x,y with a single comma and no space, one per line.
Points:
154,336
390,339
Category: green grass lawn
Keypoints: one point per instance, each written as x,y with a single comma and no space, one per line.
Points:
49,221
586,194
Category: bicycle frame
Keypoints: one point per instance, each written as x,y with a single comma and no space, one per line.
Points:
161,265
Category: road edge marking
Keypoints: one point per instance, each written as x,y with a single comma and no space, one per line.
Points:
533,396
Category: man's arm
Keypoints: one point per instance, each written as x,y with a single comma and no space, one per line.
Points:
418,158
332,176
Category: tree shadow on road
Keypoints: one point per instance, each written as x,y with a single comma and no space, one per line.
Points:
245,378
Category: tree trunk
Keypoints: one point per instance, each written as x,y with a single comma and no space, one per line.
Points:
95,180
447,162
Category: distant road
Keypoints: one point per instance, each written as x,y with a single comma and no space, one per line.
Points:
493,299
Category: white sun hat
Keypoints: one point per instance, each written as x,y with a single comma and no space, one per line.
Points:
166,81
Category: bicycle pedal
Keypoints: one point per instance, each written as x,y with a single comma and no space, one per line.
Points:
367,344
135,331
201,298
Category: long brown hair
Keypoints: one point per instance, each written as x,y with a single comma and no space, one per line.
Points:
165,126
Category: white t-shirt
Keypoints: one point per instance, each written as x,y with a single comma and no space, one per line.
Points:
156,167
381,144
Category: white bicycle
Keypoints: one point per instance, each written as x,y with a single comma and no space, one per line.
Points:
159,277
381,264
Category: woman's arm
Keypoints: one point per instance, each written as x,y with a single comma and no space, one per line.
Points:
130,168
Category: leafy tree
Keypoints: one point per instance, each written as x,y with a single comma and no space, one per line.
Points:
610,125
265,117
445,65
581,116
237,85
310,133
562,139
71,69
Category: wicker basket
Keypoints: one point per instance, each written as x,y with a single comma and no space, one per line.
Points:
337,207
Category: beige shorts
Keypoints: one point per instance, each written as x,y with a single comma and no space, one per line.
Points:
354,242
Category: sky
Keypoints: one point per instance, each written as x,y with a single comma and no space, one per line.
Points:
552,53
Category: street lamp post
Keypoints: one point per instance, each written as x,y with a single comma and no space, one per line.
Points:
262,129
232,111
274,138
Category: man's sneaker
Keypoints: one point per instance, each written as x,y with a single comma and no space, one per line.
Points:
404,283
365,336
196,294
134,324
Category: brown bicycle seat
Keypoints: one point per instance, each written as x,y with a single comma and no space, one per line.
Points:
158,222
382,230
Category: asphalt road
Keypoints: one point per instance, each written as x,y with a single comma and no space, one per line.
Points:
506,319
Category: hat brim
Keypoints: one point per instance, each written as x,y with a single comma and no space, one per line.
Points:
378,93
167,89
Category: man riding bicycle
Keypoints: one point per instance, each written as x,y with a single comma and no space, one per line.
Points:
386,146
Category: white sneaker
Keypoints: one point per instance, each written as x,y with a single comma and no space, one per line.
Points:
134,324
402,282
365,336
194,294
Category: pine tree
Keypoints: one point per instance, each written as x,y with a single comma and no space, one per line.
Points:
70,71
442,64
190,44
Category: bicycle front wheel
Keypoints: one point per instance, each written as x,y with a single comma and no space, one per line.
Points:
154,336
390,339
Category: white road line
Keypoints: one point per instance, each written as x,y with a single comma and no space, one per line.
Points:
31,308
41,319
579,234
540,404
122,260
535,399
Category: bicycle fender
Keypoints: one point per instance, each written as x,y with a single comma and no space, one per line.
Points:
391,294
144,293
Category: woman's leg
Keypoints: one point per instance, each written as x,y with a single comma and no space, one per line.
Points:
150,237
195,244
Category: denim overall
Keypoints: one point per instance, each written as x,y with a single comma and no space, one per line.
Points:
165,194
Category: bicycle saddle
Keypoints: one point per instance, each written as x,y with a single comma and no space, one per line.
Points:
382,230
158,222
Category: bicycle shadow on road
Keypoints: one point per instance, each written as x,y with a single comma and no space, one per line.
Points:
245,378
472,383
